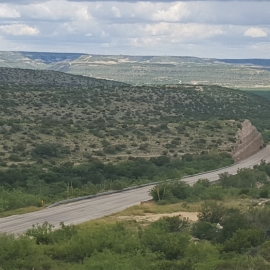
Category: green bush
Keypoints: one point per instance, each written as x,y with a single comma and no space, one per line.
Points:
46,150
14,158
243,240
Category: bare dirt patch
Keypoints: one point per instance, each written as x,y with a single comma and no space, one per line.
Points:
192,216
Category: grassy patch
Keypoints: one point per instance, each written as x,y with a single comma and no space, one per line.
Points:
19,211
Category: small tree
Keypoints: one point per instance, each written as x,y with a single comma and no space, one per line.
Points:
211,212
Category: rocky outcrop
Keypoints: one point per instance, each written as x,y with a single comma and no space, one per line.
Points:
248,141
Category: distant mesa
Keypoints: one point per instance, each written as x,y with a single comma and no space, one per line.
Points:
256,62
49,58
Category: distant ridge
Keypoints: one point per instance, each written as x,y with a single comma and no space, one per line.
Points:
49,58
142,70
257,62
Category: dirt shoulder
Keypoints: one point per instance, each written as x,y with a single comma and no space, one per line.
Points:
192,216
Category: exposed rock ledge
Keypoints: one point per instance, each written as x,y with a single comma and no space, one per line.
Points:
248,141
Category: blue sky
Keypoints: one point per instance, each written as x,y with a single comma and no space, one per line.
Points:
221,29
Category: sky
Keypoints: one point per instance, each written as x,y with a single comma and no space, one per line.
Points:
210,29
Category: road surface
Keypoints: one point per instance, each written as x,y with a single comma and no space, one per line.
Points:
78,212
264,154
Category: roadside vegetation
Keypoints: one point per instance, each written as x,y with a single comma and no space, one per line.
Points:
252,183
228,234
30,185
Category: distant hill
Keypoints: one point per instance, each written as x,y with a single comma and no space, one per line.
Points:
141,70
257,62
51,78
49,58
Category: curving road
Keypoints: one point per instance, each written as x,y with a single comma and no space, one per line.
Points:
78,212
264,154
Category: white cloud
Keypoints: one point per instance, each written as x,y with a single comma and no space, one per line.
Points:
146,42
174,13
19,30
57,10
262,48
104,34
183,31
137,27
7,12
116,12
255,32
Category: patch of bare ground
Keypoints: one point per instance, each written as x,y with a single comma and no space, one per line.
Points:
192,216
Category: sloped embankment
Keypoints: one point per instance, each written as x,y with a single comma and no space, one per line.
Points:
248,141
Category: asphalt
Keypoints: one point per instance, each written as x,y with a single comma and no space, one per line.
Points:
81,211
264,154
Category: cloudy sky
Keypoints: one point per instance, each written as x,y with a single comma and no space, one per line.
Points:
222,29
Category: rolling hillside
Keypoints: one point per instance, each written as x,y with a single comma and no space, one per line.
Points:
56,117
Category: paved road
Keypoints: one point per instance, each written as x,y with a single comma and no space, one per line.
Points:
264,154
78,212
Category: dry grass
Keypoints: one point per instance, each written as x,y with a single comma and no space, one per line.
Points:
147,213
148,218
153,208
20,211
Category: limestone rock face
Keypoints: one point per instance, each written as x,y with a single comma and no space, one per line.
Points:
248,141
